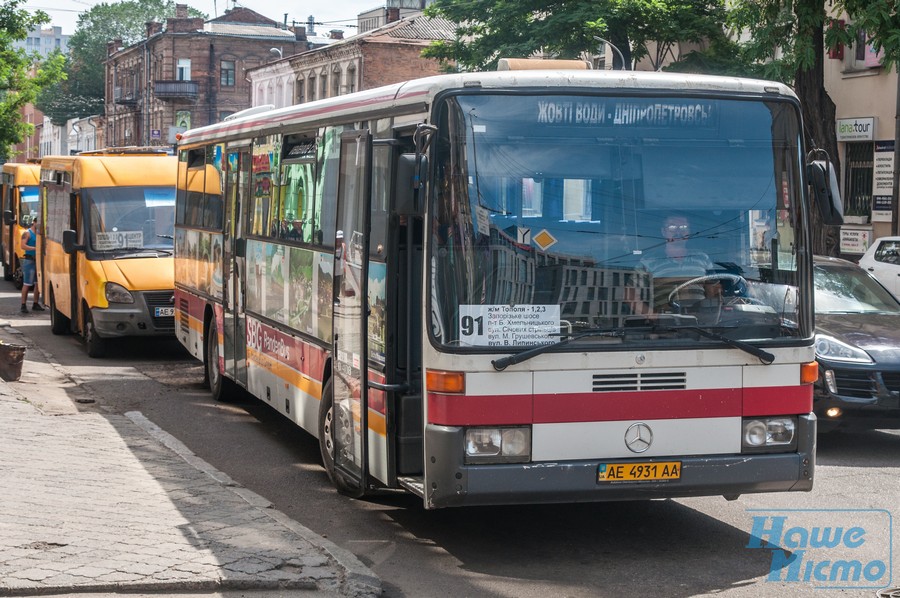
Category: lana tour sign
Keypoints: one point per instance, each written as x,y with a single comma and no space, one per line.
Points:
856,129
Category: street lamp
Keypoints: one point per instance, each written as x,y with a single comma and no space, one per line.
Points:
611,45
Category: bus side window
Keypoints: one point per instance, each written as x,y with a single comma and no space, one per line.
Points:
326,186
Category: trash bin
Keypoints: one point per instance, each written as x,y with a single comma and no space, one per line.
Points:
11,358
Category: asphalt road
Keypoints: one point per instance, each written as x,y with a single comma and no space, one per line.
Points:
674,548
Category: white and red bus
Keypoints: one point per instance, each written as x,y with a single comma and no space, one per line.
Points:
446,282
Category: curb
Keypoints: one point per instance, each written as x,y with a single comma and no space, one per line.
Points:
359,581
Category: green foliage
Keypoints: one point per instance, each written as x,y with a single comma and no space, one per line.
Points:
880,19
22,74
569,28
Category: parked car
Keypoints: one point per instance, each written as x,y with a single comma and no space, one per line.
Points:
882,260
857,347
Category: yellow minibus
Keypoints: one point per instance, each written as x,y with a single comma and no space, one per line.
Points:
106,260
18,204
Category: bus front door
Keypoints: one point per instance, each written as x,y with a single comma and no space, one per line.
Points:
349,361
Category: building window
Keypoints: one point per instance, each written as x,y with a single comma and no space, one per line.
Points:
324,86
183,72
298,89
226,79
351,80
312,89
336,83
860,162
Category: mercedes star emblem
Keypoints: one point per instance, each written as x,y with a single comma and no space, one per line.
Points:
638,437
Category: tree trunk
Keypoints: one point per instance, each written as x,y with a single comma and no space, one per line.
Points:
819,122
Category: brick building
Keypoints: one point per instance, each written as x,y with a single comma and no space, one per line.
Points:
188,73
382,56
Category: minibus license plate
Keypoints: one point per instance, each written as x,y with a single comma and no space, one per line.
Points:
639,472
162,312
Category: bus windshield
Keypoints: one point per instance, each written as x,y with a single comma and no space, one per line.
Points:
29,204
130,218
642,217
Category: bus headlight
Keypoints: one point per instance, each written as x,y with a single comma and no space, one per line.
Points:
768,433
116,293
498,445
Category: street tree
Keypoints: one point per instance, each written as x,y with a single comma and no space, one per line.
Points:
82,94
22,74
487,30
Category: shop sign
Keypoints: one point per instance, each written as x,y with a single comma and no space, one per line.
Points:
856,129
855,240
883,181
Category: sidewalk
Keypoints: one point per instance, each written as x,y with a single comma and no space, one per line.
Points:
108,503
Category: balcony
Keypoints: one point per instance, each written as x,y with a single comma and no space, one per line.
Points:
175,90
126,97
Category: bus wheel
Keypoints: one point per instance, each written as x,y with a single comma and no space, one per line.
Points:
59,324
95,345
17,278
328,419
221,387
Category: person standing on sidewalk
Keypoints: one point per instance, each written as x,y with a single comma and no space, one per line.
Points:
29,268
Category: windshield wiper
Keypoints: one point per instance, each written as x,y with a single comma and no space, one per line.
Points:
764,356
504,362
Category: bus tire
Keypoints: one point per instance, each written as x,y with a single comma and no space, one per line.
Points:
17,276
93,342
326,443
222,389
59,324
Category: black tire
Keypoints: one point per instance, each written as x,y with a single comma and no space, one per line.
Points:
326,443
59,324
222,388
17,276
95,345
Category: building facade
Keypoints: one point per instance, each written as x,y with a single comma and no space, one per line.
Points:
389,54
188,73
865,96
44,41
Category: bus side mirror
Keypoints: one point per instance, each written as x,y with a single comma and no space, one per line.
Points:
8,217
408,197
826,191
68,242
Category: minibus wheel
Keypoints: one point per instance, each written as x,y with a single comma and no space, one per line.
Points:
95,345
59,324
327,420
17,278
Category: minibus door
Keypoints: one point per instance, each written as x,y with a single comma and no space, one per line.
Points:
349,361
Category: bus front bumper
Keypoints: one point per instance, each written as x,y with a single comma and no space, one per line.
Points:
577,481
141,318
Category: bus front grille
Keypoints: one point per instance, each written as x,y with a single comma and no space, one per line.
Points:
639,381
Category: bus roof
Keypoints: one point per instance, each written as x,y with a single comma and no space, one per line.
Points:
421,93
104,170
23,174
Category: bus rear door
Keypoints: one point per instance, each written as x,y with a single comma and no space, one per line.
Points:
235,320
351,265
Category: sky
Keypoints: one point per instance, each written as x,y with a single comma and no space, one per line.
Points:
335,14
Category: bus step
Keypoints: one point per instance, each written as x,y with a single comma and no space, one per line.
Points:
416,485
